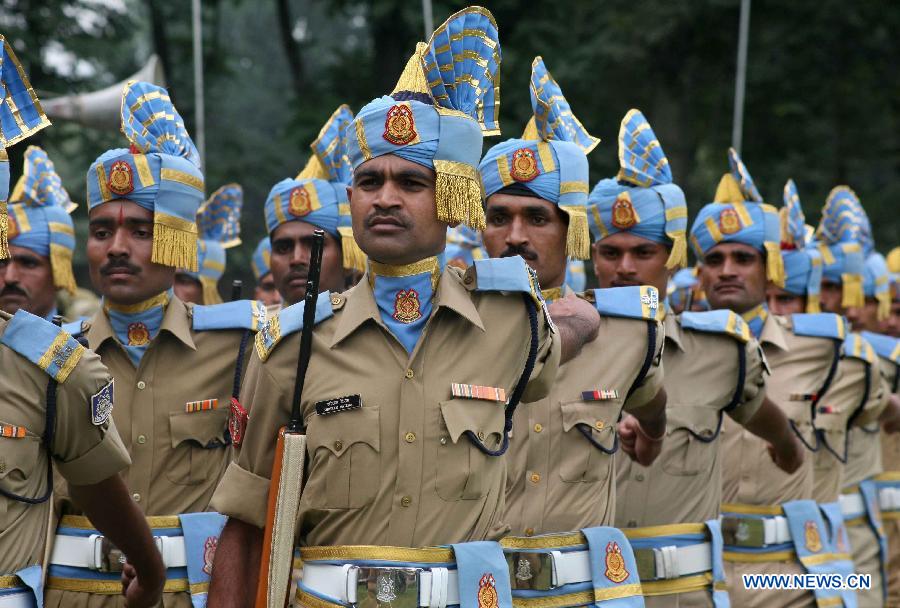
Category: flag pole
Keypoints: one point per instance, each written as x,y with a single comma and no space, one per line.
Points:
740,82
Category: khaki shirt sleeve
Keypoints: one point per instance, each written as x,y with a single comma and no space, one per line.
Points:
546,365
244,489
879,394
653,381
754,384
85,453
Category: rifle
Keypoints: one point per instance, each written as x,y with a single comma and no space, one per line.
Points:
236,288
287,469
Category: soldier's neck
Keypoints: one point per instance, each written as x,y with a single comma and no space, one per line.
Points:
159,300
429,265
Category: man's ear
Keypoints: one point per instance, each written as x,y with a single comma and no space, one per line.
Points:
349,194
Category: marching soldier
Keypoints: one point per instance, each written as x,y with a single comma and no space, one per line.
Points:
561,474
55,402
176,365
219,227
670,508
770,523
410,370
315,199
41,240
261,264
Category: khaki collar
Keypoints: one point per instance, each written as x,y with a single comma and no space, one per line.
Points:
673,330
361,306
773,333
176,321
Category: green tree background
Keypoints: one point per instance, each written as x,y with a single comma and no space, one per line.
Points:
822,107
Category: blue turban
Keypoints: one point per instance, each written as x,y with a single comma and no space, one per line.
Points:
642,199
549,159
261,262
739,215
840,233
39,209
464,246
802,263
318,195
20,117
445,99
160,171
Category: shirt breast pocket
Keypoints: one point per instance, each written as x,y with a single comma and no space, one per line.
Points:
18,459
588,435
199,445
461,465
344,448
691,445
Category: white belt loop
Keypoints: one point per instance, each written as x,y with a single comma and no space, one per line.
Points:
852,505
349,573
666,562
889,499
439,580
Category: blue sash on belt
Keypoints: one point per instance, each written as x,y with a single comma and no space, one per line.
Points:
719,589
869,491
811,542
483,573
201,536
613,568
839,545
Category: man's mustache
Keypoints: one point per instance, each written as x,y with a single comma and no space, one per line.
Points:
119,266
383,214
14,290
525,252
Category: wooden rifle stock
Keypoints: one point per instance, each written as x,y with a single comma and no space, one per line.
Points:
286,481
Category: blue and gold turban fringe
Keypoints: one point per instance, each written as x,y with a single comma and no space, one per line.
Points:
550,159
446,99
802,263
261,262
39,209
642,199
841,234
877,283
160,171
21,116
219,227
893,260
738,215
318,195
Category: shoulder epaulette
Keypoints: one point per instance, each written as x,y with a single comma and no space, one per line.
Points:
287,321
819,325
75,328
856,347
637,302
887,347
506,274
44,344
717,322
240,314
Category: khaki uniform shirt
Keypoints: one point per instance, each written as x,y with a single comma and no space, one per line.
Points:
799,365
177,456
684,484
890,442
558,481
399,470
837,406
83,453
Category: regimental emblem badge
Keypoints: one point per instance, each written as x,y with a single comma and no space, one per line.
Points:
385,588
102,404
487,592
523,570
742,533
12,228
407,308
237,421
400,126
524,165
615,563
209,552
299,202
623,214
812,537
121,179
729,221
138,334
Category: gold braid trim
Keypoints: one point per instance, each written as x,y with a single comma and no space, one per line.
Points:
430,555
578,237
61,265
853,295
678,255
458,194
4,223
210,291
884,304
353,256
580,598
774,263
103,587
174,242
813,304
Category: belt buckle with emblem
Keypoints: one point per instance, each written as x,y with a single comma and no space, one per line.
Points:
530,570
386,586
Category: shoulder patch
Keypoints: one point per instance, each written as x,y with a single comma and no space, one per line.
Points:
717,322
638,302
240,314
856,347
886,347
505,274
289,320
819,325
102,404
44,344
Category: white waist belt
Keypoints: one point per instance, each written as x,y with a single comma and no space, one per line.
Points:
674,562
18,600
438,587
889,499
852,505
87,551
